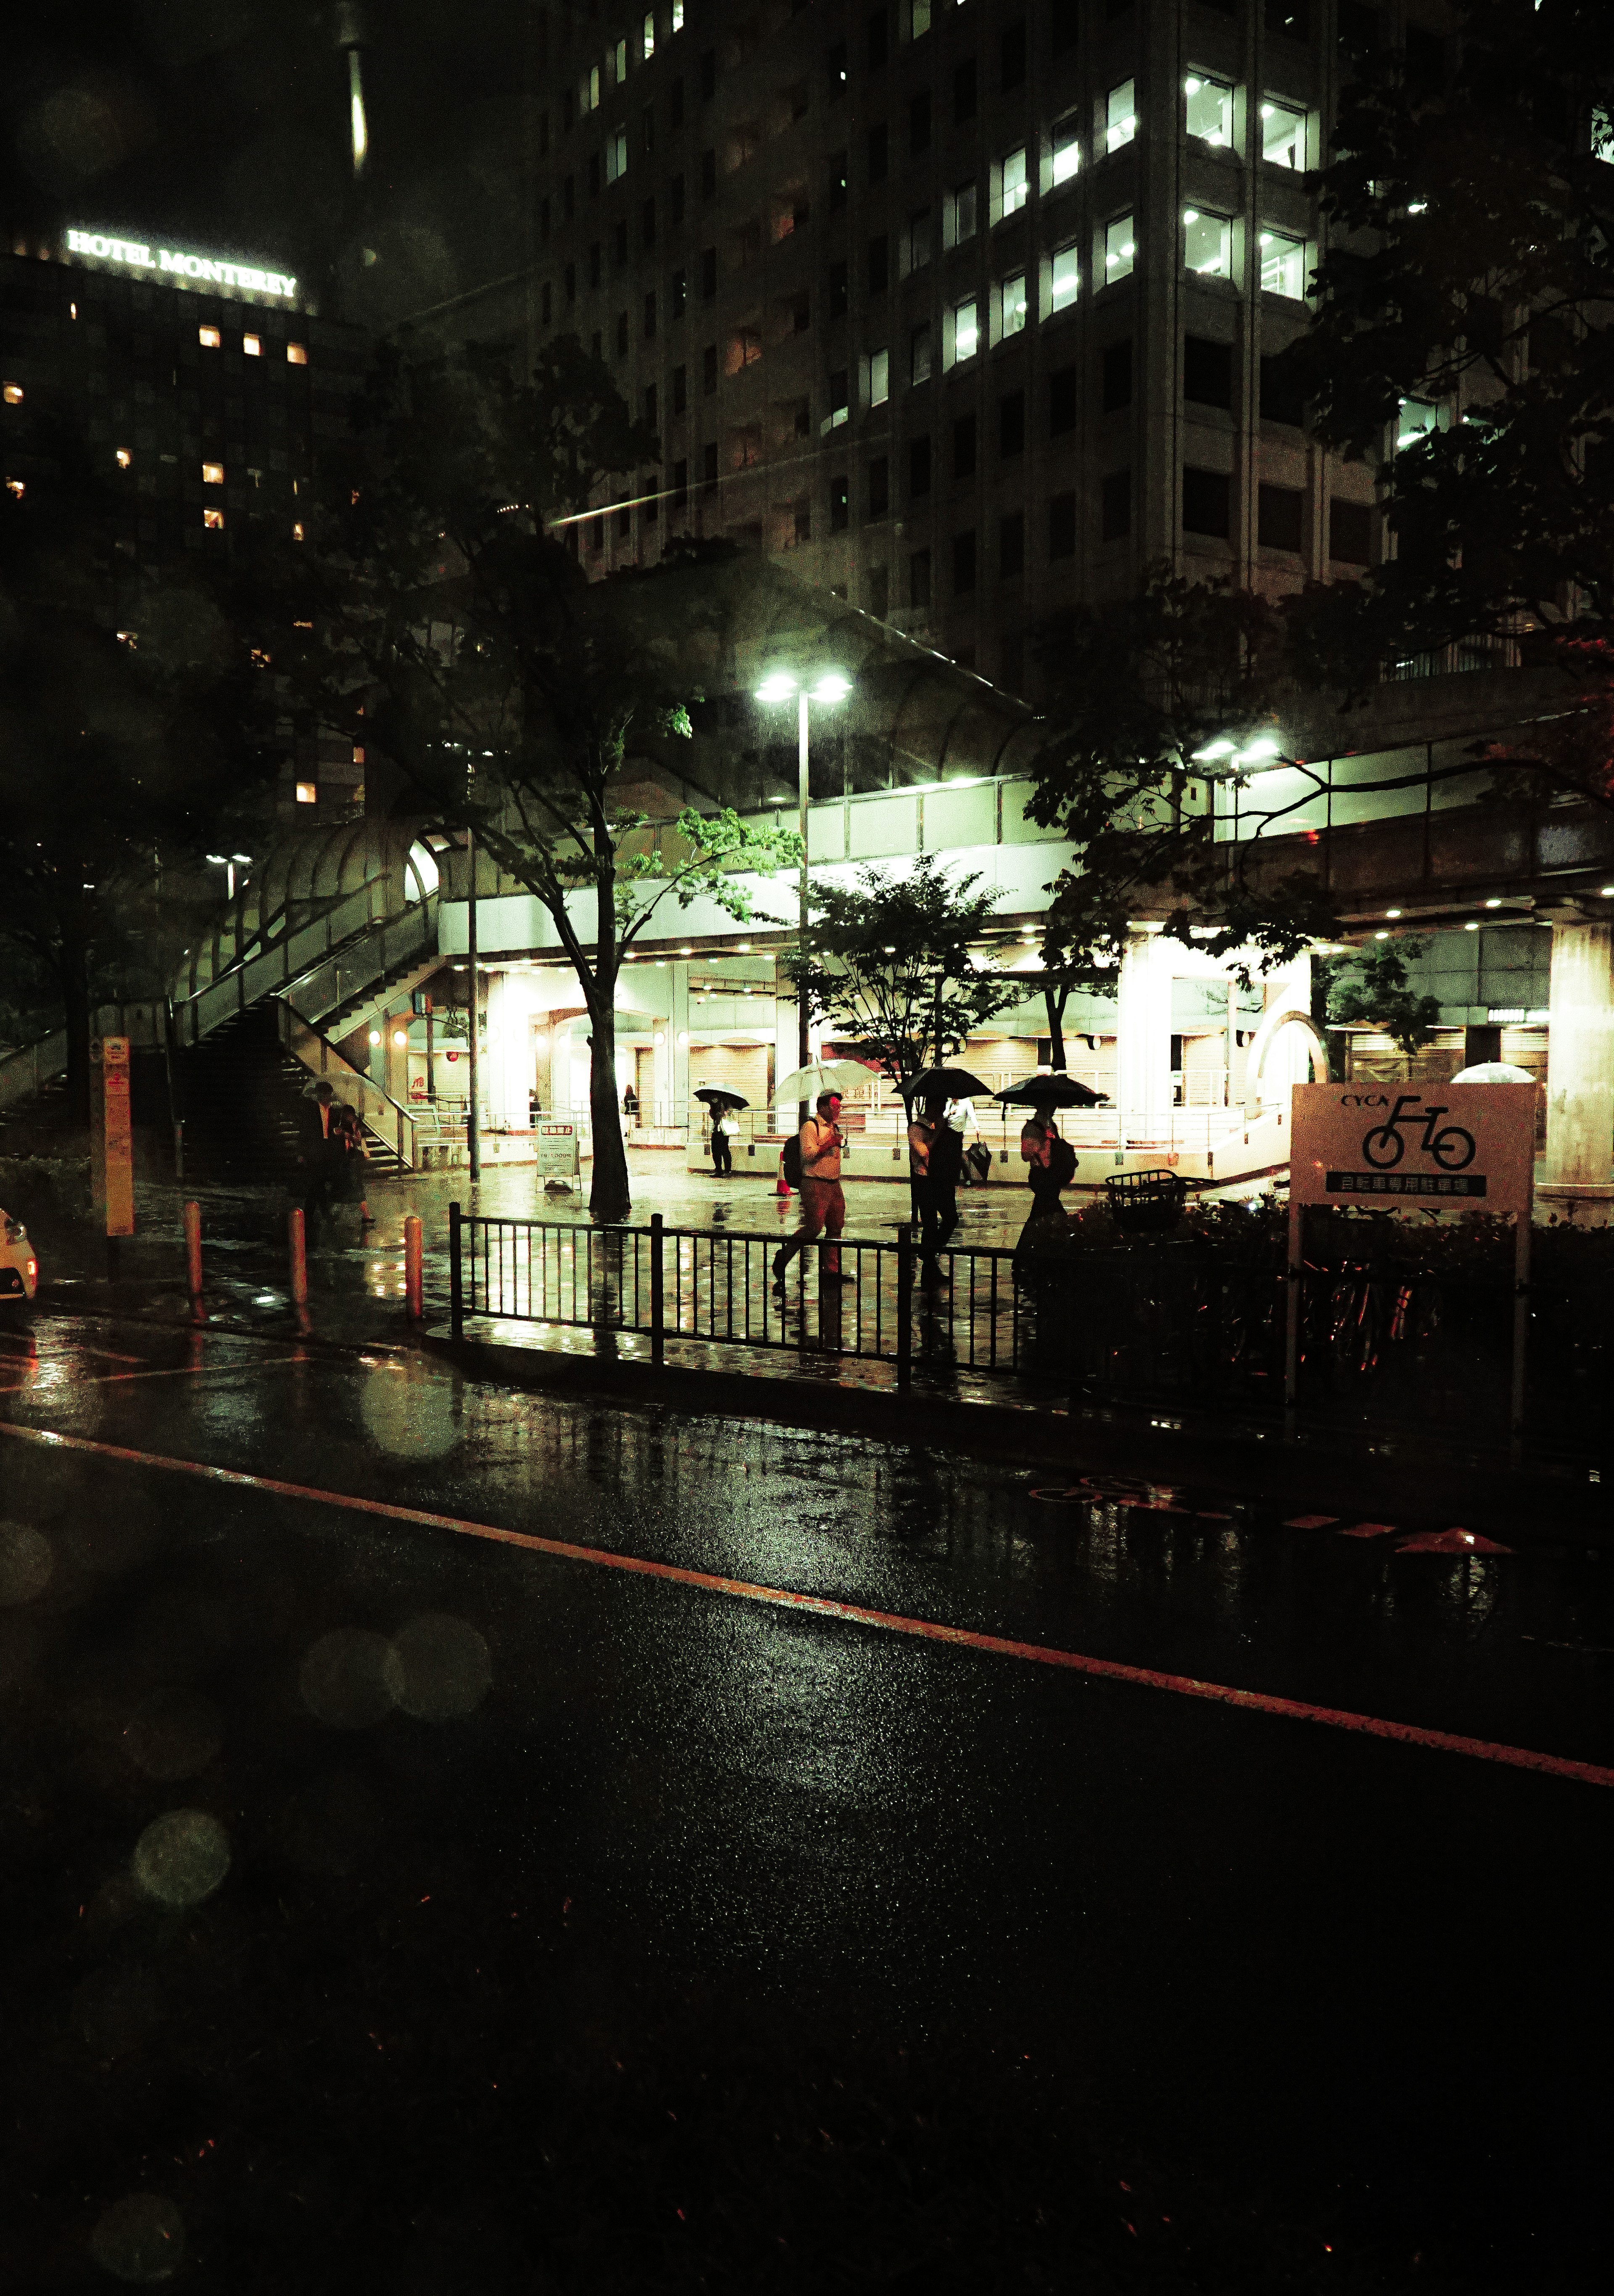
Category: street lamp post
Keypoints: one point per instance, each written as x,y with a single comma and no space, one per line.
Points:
832,687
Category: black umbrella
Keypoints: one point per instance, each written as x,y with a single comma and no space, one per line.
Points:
1056,1091
715,1096
940,1084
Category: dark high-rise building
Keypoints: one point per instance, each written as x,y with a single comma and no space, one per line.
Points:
205,385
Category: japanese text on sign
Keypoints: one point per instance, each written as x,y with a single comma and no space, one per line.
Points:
1467,1144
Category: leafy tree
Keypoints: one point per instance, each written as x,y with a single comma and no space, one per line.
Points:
1371,985
121,757
893,966
1470,271
447,625
1160,699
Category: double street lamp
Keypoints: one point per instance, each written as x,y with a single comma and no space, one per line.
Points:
831,686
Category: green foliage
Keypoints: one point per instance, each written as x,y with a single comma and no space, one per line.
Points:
1471,265
1371,985
1144,686
892,964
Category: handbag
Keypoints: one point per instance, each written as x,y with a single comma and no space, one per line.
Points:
977,1160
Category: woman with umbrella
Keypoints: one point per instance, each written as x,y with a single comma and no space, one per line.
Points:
724,1106
1049,1160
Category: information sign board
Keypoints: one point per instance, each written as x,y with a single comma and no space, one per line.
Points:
1470,1147
117,1135
557,1152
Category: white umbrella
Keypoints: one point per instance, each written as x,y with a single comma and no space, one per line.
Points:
1493,1072
819,1075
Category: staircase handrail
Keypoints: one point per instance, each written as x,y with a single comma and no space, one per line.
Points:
373,1105
244,943
394,943
28,1069
285,961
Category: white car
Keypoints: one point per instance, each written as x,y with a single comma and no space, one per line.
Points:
19,1263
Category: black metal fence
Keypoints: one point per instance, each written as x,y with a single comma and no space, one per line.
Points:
708,1285
1157,1322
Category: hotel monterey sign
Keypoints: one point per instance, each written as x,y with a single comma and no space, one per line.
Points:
182,267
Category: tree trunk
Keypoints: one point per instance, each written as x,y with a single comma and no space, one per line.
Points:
608,1196
1054,1001
73,972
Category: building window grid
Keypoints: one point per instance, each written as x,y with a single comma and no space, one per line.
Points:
1012,303
1120,248
1283,265
1282,134
1207,243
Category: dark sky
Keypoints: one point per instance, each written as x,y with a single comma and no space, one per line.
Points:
222,125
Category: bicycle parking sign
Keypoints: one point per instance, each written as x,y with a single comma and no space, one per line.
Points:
1468,1146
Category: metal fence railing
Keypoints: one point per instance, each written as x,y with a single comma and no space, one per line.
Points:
712,1286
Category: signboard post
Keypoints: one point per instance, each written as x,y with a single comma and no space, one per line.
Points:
1471,1146
558,1152
114,1137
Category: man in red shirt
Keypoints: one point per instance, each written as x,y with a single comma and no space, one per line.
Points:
824,1204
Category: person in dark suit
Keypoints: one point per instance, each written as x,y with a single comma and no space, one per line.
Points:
322,1154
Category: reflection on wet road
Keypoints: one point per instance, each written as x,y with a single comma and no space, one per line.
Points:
275,1707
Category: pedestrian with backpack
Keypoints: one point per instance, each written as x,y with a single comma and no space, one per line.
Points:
815,1169
1051,1166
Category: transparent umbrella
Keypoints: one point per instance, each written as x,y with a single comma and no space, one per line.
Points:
819,1075
1493,1072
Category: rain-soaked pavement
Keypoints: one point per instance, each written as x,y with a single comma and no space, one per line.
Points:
392,1904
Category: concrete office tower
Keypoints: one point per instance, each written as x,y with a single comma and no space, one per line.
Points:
963,311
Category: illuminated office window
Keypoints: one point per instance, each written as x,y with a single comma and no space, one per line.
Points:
209,338
213,520
1067,275
1067,148
647,38
1014,190
1283,265
297,530
1207,243
212,474
1283,135
11,393
677,15
297,355
1209,109
919,18
1120,250
124,458
308,793
1014,304
958,216
1418,417
966,330
620,56
880,377
1121,116
253,346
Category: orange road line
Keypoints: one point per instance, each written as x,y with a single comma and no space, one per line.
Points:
1104,1670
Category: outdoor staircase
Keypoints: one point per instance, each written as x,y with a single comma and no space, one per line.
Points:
246,1099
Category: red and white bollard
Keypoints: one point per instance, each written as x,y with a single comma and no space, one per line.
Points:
192,1222
414,1288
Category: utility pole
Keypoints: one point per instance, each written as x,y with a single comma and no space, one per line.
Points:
472,1135
803,1050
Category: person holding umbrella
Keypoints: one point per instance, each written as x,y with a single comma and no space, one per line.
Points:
935,1156
723,1106
1049,1160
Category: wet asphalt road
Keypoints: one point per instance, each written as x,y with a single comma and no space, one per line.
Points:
341,1847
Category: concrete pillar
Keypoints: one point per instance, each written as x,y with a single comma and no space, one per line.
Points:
1580,1066
1143,1027
394,1058
677,1042
507,1073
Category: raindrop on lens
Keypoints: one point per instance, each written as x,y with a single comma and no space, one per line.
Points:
26,1563
350,1678
182,1856
140,2238
443,1666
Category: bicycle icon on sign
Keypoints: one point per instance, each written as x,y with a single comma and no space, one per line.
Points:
1452,1148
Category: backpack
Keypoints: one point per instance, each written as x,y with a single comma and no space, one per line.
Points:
1061,1163
790,1163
